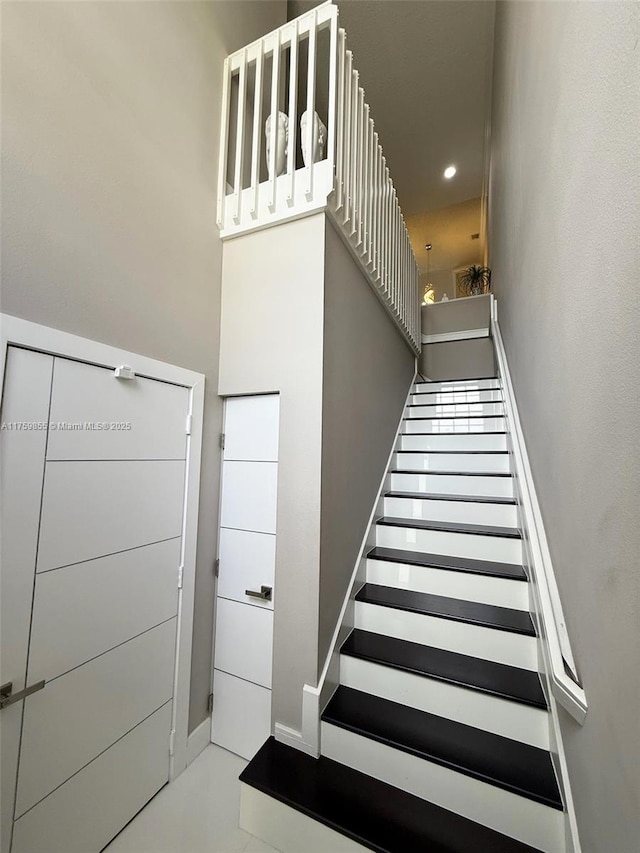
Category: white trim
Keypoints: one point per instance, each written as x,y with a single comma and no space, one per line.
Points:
292,737
198,740
314,698
462,335
557,648
22,333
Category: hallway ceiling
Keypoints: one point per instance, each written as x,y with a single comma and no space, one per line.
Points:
425,66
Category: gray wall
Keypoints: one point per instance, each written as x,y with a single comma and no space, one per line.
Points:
564,224
472,359
456,315
367,370
271,340
110,116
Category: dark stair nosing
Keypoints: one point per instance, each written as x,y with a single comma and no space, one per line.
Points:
471,379
496,679
507,571
449,434
450,417
434,496
452,527
451,473
460,391
370,812
460,452
443,607
508,764
459,403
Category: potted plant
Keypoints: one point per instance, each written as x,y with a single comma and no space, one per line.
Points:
476,280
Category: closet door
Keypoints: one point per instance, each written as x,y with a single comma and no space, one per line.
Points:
246,580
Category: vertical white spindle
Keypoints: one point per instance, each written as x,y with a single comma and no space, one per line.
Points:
355,130
364,171
273,135
293,107
361,164
342,59
370,195
242,102
224,144
385,234
375,207
346,136
257,132
332,108
311,101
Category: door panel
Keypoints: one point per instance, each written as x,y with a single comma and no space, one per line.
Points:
248,561
91,509
84,712
249,494
251,428
21,471
110,791
122,595
244,641
156,412
241,714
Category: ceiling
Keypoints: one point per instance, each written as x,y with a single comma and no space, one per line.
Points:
425,66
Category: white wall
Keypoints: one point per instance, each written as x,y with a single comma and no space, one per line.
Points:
564,225
110,119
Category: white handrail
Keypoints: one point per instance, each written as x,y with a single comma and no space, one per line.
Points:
351,181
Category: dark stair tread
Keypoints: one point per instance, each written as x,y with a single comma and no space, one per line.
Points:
458,452
449,417
450,473
482,432
497,679
511,765
370,812
459,403
445,561
435,496
485,615
451,527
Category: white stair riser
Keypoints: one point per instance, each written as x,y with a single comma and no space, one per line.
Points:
490,463
494,548
518,817
454,425
463,637
471,707
440,484
453,442
488,396
456,385
501,592
443,410
467,512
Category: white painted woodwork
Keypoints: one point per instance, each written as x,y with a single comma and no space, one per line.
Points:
146,419
453,442
450,425
83,610
91,509
466,512
85,711
252,428
287,829
443,410
88,810
244,641
532,823
241,719
247,561
456,484
25,400
476,547
472,707
463,637
477,462
435,398
485,589
456,385
249,496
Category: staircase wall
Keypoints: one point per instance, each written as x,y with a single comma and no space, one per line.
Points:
367,371
564,210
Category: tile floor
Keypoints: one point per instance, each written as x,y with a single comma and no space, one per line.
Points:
198,813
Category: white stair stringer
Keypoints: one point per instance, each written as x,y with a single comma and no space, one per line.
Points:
528,821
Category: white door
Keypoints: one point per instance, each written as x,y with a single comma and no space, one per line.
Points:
93,478
246,582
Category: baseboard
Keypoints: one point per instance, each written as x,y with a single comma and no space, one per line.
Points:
199,739
291,737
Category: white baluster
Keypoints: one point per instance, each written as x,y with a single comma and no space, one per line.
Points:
257,132
311,103
293,106
224,144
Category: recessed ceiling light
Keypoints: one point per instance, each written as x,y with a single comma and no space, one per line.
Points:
450,171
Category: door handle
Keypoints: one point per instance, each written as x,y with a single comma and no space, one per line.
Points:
264,594
8,697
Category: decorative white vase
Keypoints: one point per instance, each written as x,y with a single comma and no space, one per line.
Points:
282,143
318,139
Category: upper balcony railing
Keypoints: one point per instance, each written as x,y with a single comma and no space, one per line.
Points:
272,171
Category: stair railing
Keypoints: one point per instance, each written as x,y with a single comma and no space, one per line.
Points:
297,137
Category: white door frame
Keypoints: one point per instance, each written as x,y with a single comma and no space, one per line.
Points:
22,333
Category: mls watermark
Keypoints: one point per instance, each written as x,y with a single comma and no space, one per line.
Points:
66,426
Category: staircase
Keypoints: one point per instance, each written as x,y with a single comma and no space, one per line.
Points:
437,738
